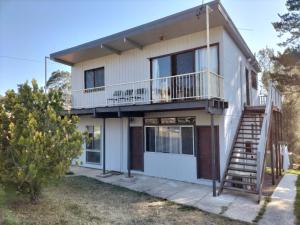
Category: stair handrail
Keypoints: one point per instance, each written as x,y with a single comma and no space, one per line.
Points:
230,153
265,130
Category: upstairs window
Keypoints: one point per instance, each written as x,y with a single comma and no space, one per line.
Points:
94,78
254,80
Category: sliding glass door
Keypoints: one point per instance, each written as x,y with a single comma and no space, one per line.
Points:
201,68
183,84
183,75
161,84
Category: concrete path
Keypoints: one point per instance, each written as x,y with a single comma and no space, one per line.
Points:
281,208
236,206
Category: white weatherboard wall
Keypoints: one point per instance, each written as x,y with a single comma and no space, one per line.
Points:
233,64
176,166
134,65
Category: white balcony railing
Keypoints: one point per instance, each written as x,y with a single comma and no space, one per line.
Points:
198,85
274,98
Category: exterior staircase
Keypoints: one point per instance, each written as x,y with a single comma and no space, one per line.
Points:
241,170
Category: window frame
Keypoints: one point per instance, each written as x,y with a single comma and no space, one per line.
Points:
99,88
94,150
254,84
180,128
173,54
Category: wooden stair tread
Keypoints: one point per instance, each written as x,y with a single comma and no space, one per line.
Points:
250,125
242,169
244,142
244,158
243,163
244,147
240,175
240,182
240,189
245,153
253,115
251,138
250,133
250,129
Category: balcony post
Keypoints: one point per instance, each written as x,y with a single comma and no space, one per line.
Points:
104,131
128,149
213,153
208,52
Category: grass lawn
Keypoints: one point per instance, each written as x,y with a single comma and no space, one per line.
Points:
82,200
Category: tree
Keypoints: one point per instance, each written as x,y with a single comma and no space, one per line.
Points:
37,144
265,58
61,80
289,24
286,72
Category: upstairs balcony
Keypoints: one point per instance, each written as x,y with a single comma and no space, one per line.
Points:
192,86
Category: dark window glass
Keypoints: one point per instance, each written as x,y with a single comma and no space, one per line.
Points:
254,80
94,78
99,77
184,85
185,62
150,139
93,157
187,140
161,67
90,142
89,79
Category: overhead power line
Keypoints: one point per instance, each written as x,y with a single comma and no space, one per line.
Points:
24,59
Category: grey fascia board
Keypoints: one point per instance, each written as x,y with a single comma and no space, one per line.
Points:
61,61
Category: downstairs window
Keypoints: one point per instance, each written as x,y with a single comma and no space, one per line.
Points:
93,146
170,139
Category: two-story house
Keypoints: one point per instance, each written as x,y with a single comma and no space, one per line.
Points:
150,96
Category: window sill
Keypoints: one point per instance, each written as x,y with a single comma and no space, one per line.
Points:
171,154
91,90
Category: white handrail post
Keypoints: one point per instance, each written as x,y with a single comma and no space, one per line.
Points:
133,93
258,170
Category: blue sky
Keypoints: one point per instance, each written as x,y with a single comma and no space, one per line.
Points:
32,29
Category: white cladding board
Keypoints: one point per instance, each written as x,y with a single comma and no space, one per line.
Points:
171,166
134,65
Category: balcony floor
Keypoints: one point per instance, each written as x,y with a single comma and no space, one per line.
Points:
215,106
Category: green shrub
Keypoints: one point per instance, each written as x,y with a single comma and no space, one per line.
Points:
37,144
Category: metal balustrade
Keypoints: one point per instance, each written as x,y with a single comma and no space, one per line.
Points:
273,98
197,85
276,97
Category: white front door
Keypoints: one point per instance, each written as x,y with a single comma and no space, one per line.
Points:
113,144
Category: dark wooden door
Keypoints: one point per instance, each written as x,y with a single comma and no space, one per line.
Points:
247,87
136,148
204,164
